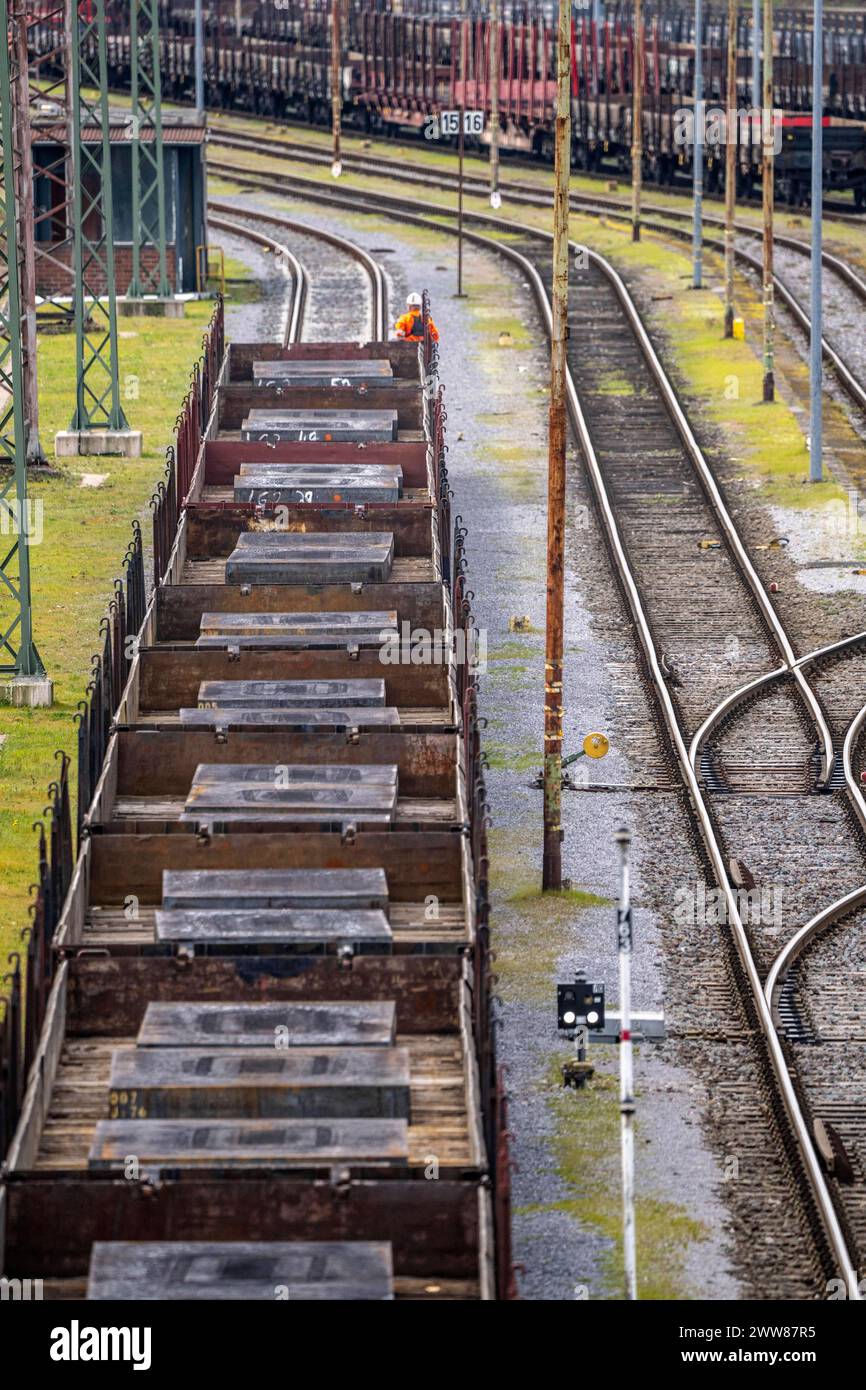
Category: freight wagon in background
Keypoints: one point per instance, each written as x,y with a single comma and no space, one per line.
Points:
404,63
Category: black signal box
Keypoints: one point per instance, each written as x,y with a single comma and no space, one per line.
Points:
580,1005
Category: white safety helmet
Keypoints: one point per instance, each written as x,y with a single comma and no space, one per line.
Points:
414,300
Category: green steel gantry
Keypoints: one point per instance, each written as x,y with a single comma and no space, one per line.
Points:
97,378
148,170
18,654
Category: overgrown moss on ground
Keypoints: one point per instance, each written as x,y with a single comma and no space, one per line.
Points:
586,1148
532,929
86,531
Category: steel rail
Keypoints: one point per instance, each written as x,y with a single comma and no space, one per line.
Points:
831,915
305,154
587,203
300,280
796,1119
376,276
743,692
832,212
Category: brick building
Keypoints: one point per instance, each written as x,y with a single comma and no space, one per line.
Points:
185,202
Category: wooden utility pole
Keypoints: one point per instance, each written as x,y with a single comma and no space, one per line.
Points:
461,148
767,167
495,64
732,138
336,87
552,866
637,119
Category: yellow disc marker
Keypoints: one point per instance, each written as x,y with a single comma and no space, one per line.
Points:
596,745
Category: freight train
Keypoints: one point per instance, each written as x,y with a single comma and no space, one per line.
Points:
402,67
314,1110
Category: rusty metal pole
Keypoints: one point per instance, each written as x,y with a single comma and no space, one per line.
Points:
732,138
495,65
637,120
336,87
552,863
461,145
26,232
768,175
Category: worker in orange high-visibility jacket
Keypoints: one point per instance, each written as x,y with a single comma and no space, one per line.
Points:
411,324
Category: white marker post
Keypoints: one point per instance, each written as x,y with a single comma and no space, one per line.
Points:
626,1070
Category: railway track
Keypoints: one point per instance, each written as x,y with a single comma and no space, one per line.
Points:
304,152
845,314
738,603
833,211
339,297
836,211
299,278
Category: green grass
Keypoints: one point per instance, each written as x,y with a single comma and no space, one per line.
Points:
86,531
532,929
613,384
503,759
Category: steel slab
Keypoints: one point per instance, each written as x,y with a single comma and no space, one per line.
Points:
250,694
244,1271
343,1023
246,1143
259,1083
349,889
